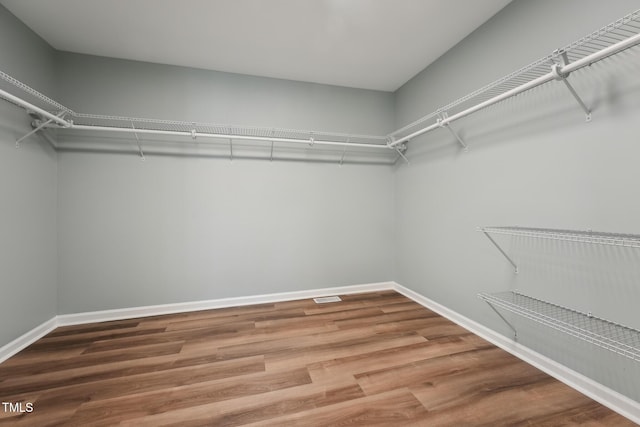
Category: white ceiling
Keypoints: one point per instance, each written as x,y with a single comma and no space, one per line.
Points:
372,44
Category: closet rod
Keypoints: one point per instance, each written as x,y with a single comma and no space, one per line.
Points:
58,122
563,71
193,134
30,107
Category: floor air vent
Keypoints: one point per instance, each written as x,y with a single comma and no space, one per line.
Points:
324,300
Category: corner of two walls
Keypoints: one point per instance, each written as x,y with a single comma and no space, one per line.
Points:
28,176
532,161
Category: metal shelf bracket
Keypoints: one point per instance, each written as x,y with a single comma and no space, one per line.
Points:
401,150
273,131
31,132
555,70
501,251
37,125
442,115
504,319
342,158
138,142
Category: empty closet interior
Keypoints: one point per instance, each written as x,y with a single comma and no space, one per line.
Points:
497,186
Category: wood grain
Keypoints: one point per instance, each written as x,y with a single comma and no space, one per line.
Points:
373,359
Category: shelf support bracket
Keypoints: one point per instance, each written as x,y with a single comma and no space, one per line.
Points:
34,130
273,132
555,69
37,125
443,115
344,152
231,149
504,319
400,149
501,251
138,142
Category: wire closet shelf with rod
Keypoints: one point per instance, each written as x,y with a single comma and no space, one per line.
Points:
606,334
557,66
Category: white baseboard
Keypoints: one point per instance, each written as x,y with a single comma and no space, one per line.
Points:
610,398
155,310
38,332
23,341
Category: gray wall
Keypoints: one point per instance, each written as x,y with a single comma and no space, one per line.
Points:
532,161
28,231
173,229
99,85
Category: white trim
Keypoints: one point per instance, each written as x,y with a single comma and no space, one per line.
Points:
155,310
610,398
25,340
38,332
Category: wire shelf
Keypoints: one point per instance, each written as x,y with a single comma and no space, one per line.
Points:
31,95
40,101
612,336
606,36
592,237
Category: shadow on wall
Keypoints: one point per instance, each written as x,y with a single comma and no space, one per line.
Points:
608,88
219,149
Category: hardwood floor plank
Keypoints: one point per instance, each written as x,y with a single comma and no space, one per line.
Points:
133,386
172,336
257,336
80,361
417,314
91,337
314,354
305,398
394,408
591,414
516,406
423,371
452,389
260,316
440,327
229,312
353,304
92,327
320,317
275,344
379,360
27,357
373,359
138,374
98,413
400,306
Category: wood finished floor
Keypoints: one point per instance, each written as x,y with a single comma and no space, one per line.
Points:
373,359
